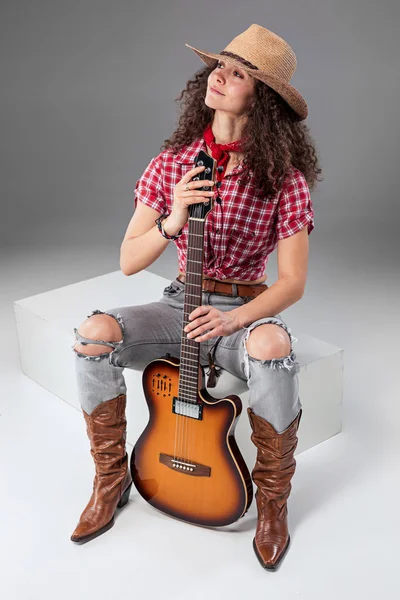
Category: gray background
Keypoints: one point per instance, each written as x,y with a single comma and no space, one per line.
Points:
86,100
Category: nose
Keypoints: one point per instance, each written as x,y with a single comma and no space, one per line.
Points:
218,83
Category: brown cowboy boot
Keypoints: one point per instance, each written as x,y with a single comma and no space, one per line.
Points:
106,429
274,468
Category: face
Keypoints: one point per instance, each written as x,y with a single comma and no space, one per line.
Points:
235,84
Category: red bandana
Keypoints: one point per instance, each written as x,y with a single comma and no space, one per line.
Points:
220,151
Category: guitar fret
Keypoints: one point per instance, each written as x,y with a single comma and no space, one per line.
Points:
189,369
191,380
188,394
189,384
195,354
189,344
188,388
191,377
192,352
186,366
191,399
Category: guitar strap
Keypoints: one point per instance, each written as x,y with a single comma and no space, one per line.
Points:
213,373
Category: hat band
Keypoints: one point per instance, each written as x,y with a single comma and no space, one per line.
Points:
240,59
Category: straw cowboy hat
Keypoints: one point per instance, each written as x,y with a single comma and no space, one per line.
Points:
265,56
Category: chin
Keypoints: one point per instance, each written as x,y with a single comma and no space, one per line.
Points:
209,100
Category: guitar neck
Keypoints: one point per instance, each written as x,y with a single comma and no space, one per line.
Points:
190,350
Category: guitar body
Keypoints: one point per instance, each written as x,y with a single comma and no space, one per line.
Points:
189,465
186,463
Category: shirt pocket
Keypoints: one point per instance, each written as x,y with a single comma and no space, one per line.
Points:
245,242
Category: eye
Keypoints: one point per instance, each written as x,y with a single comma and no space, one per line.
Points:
220,64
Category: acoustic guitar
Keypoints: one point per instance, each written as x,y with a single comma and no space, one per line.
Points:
186,463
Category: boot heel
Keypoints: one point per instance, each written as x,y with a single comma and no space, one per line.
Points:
125,497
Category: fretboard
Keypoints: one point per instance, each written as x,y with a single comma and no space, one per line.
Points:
190,350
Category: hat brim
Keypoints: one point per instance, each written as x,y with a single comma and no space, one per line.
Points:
284,89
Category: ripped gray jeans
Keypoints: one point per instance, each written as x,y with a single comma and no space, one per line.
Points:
151,330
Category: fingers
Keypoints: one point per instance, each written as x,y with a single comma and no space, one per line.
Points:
207,328
189,193
205,336
191,185
186,194
186,178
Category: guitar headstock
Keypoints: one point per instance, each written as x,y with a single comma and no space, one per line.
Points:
200,210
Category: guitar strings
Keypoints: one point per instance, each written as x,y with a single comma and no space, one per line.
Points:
182,426
189,425
195,228
181,405
198,227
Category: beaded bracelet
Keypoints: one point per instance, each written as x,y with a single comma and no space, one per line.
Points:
161,228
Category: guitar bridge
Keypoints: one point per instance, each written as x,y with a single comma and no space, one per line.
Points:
193,410
185,466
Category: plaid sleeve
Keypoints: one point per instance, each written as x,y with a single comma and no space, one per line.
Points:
295,209
149,189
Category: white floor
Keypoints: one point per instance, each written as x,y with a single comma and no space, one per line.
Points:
343,509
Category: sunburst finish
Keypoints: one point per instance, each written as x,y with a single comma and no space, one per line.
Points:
186,462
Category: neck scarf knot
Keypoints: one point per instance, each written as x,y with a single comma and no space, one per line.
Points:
220,151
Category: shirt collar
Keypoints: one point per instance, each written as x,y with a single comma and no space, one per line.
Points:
187,155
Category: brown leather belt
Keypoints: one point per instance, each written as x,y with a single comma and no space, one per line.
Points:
228,289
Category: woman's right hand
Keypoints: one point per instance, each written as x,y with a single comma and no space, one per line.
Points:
184,198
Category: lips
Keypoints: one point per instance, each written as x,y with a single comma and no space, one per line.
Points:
216,91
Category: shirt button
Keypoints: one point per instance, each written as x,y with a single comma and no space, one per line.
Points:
217,231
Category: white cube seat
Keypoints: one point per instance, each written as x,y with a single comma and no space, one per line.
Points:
47,320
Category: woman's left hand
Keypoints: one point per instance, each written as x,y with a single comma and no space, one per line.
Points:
208,318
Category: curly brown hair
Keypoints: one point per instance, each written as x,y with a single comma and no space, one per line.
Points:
272,134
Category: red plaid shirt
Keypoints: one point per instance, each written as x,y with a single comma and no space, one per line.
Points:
242,230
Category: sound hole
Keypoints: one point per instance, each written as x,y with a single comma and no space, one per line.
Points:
162,385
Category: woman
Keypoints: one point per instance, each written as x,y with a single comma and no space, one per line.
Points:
242,110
